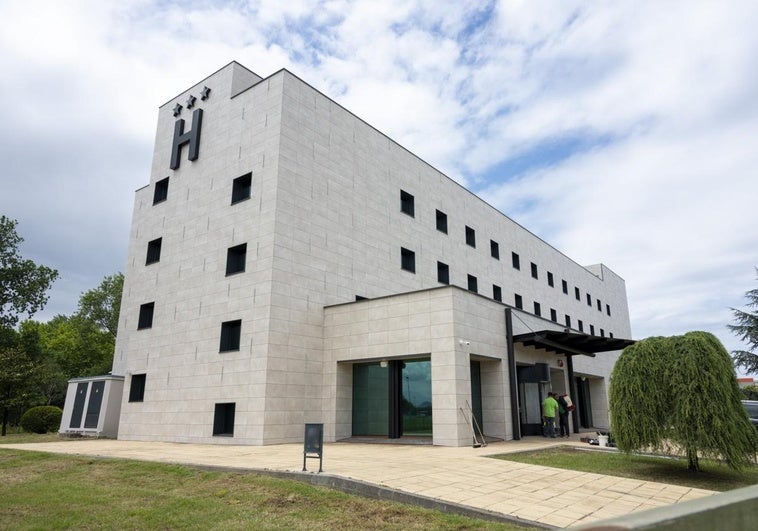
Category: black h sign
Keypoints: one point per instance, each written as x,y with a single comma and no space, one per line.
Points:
192,137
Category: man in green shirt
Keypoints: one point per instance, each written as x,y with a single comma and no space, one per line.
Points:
549,408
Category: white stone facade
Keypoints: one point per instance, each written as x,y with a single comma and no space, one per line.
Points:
323,225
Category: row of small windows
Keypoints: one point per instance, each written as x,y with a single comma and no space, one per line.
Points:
407,206
242,188
230,330
235,256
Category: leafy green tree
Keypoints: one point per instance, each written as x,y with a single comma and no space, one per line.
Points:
77,345
23,284
681,392
746,328
101,305
750,392
15,376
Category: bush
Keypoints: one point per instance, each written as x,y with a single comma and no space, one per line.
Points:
41,419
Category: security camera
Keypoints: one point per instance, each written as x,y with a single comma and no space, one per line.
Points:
463,342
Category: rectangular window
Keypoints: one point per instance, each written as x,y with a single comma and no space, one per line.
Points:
599,305
550,279
580,323
602,333
242,188
494,249
407,260
534,271
472,283
161,191
137,388
589,300
407,204
470,236
519,302
443,273
553,315
537,309
568,321
223,419
515,260
565,286
497,293
442,222
153,251
146,316
230,335
576,294
610,334
608,309
235,259
592,330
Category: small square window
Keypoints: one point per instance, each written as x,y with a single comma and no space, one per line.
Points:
235,259
576,294
161,191
589,300
407,204
153,251
443,273
516,261
497,293
518,301
608,309
580,323
242,188
230,335
146,316
470,236
534,271
537,309
407,260
568,321
599,305
495,250
553,315
550,279
442,222
137,388
223,419
472,283
592,330
565,286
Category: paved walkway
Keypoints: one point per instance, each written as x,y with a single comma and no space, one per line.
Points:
547,496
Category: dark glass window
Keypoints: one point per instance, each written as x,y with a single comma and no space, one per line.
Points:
360,298
599,305
592,330
497,293
518,301
537,309
407,260
553,315
568,321
443,273
581,325
610,334
472,283
608,309
516,261
161,191
146,315
235,259
223,419
407,204
153,251
602,333
576,294
242,188
534,270
565,286
470,236
589,300
550,279
230,335
442,222
137,388
494,249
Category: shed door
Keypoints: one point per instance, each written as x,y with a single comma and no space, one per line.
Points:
81,395
93,408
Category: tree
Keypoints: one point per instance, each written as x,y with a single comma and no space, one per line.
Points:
746,328
77,345
680,393
23,284
101,305
15,391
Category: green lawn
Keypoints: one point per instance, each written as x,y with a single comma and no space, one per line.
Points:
41,490
17,436
713,476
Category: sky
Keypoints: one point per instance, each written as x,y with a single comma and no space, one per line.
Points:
620,132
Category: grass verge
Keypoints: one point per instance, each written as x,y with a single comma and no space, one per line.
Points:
713,475
41,490
18,436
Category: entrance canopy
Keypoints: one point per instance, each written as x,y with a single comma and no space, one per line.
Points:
570,343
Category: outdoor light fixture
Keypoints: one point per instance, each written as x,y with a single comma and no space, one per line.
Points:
383,364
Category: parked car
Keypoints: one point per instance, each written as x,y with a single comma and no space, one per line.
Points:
752,410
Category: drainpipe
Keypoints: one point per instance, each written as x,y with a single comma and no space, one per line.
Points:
515,420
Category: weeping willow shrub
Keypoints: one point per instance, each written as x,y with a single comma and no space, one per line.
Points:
708,418
681,391
639,403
